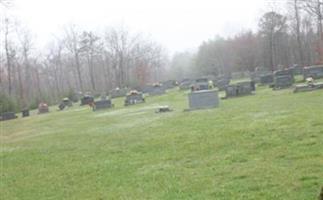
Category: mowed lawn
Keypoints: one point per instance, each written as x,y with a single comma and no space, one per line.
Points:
263,146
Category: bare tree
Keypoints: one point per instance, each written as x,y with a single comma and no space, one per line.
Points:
271,25
72,43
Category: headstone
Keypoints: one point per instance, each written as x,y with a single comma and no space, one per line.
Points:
307,87
201,84
203,99
102,104
186,84
154,90
222,83
25,113
162,109
43,108
87,100
66,102
7,116
283,79
240,89
315,72
117,92
297,70
258,73
134,97
266,79
169,84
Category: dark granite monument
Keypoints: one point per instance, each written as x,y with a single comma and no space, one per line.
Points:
7,116
316,72
266,79
283,79
102,104
87,100
25,113
66,102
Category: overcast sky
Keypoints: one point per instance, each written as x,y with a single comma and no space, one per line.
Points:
176,24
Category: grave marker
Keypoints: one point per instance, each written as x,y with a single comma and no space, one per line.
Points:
134,97
7,116
203,99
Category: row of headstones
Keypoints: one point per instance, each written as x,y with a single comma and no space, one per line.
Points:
285,78
279,80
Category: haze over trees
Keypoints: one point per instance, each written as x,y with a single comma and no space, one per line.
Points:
80,60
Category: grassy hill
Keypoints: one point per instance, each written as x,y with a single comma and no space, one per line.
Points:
263,146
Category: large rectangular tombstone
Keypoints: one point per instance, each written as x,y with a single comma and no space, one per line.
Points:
283,79
7,116
315,72
203,99
281,82
102,104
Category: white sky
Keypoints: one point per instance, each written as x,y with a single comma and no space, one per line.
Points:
176,24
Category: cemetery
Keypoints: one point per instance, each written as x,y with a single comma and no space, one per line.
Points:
161,100
214,139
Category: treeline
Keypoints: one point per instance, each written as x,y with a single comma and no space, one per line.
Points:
78,61
282,40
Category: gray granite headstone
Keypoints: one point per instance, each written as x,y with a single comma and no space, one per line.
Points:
203,99
266,79
283,79
315,72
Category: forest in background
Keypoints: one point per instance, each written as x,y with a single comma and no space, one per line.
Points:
87,61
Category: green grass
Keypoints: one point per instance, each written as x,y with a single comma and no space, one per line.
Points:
263,146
